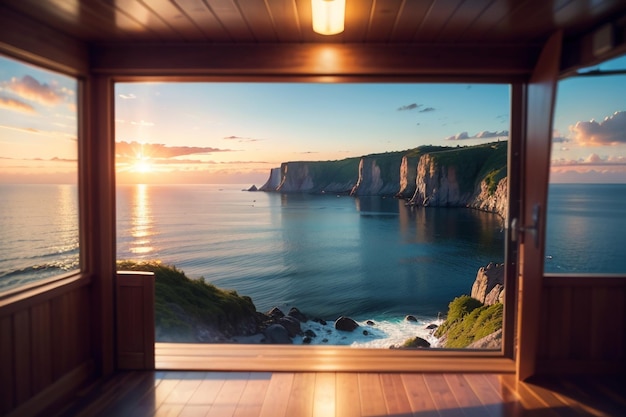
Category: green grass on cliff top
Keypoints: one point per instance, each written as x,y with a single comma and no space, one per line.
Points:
469,320
200,301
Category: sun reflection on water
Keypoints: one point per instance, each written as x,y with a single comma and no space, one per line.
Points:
142,221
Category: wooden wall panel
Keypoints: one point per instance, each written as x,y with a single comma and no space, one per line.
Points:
583,325
7,381
41,354
21,354
45,349
135,320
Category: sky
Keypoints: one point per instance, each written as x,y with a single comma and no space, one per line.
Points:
236,132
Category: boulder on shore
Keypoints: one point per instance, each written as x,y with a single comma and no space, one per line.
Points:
415,343
277,334
346,324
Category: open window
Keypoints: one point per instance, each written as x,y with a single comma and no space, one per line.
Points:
377,202
586,202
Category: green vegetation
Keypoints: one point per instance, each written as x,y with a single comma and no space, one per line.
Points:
469,320
181,303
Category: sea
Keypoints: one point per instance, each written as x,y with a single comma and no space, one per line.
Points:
368,258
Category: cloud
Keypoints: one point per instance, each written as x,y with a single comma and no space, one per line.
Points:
241,139
610,131
142,123
459,136
128,96
485,134
427,110
53,159
30,89
592,160
20,129
411,106
15,105
157,150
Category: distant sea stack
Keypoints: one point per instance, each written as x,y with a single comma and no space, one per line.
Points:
436,176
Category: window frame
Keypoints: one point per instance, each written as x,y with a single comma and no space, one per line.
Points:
315,358
67,278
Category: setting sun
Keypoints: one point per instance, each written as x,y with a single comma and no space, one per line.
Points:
142,165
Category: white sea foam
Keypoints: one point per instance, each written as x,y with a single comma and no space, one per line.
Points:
381,334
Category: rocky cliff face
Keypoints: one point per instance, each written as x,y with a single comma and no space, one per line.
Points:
378,175
466,177
473,176
318,177
295,178
273,181
408,177
488,288
495,202
438,184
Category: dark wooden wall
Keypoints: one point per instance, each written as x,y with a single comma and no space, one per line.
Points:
45,347
583,325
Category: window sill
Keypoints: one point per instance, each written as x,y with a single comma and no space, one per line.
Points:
236,357
36,292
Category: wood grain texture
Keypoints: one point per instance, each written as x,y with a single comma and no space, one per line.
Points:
583,325
539,112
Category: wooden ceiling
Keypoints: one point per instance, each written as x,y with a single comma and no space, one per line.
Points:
289,21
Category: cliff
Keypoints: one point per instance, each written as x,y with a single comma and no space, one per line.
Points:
473,176
314,177
273,181
464,177
379,174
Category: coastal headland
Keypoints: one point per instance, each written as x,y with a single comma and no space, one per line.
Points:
434,176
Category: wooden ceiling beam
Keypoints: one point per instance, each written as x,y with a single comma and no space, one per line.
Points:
322,62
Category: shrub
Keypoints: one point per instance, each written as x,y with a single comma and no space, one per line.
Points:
470,322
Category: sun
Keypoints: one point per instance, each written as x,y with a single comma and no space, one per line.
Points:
142,165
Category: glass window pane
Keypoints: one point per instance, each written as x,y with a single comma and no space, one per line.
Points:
587,193
38,174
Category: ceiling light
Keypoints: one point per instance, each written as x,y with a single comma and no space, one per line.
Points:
328,16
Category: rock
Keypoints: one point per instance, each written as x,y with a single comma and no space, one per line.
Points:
365,333
416,342
488,279
410,318
431,326
320,321
306,340
346,324
496,295
291,324
275,313
253,188
296,314
277,334
492,341
324,340
370,323
310,333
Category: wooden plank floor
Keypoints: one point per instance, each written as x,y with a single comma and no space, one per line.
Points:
328,394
